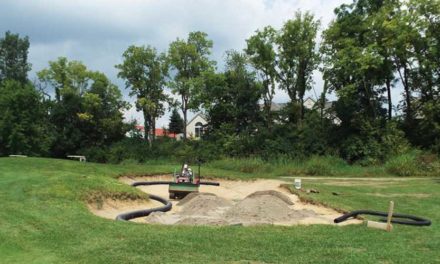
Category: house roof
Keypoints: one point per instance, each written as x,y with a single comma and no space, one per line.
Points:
198,115
311,99
160,132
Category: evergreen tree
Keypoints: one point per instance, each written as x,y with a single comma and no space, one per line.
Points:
176,122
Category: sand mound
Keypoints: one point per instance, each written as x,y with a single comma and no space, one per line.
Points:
202,221
259,209
205,205
265,207
197,209
162,218
190,196
279,195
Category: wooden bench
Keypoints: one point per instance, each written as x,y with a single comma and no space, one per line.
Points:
18,156
80,158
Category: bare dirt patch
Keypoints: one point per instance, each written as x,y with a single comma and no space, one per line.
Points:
232,203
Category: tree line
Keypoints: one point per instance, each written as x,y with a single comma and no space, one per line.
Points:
369,50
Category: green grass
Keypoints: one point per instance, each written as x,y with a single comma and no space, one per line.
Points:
414,163
314,166
44,219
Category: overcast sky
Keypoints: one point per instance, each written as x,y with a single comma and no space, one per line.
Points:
97,32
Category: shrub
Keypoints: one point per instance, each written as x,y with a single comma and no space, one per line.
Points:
129,148
324,165
429,163
96,154
403,165
373,143
249,165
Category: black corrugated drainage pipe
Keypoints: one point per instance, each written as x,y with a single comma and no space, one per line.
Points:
411,219
141,213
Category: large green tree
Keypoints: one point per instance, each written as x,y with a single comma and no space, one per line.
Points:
356,66
231,98
87,110
67,79
189,59
402,54
65,76
145,72
262,54
24,127
424,70
101,116
352,64
14,63
383,37
297,56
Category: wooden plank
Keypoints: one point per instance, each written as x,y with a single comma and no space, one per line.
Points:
377,225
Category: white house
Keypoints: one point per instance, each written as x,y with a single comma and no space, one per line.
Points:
310,104
195,127
329,113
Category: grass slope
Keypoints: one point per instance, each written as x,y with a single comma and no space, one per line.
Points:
44,219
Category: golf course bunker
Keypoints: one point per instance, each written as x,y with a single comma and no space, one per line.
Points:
110,208
247,203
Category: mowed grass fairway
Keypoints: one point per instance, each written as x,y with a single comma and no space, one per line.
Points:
44,219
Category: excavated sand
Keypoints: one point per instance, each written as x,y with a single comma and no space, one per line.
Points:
205,205
110,208
232,203
265,209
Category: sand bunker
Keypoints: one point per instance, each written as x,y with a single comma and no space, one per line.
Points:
110,208
232,203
